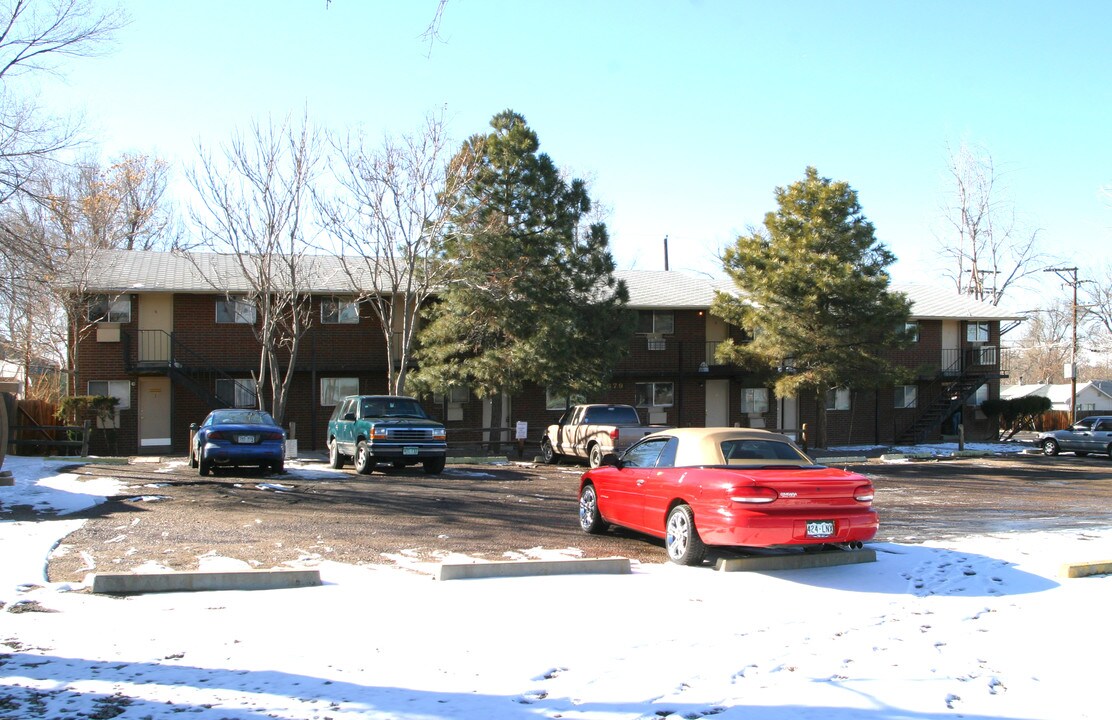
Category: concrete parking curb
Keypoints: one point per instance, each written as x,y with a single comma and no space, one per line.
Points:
1085,569
6,479
527,568
136,583
796,561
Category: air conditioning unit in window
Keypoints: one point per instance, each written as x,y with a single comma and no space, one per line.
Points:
656,341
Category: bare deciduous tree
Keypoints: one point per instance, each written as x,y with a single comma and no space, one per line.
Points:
987,250
34,36
389,217
254,202
1096,299
1041,354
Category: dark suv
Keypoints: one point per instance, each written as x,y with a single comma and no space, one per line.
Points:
373,429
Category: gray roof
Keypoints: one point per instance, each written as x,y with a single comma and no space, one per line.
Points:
136,271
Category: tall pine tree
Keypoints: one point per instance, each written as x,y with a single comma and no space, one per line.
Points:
813,296
533,298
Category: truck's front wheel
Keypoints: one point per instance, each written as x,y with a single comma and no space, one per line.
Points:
548,454
364,461
594,455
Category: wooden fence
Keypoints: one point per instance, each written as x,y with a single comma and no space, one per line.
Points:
34,430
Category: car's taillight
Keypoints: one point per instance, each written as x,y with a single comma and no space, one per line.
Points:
864,493
273,436
755,494
216,435
614,435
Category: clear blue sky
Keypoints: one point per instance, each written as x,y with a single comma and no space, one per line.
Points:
683,115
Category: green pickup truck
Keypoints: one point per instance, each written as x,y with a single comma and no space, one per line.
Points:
381,429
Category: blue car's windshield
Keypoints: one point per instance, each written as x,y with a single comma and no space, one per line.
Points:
242,417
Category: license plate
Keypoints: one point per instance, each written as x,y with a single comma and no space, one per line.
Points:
248,439
409,451
820,528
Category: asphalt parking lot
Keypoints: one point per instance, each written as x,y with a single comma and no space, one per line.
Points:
169,516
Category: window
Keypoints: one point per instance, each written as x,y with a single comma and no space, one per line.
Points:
976,332
655,322
911,329
235,310
979,397
646,454
557,401
906,396
754,400
237,393
332,390
106,309
654,394
119,389
837,399
457,394
339,312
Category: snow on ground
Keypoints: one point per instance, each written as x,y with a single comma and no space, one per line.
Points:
980,628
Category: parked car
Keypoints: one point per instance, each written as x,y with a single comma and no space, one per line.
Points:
234,437
395,429
588,432
731,487
1087,435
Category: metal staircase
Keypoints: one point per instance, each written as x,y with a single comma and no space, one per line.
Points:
159,352
961,375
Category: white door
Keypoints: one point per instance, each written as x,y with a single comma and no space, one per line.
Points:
951,347
156,322
718,403
154,414
789,416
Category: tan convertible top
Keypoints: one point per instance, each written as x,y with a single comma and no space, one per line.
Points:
703,446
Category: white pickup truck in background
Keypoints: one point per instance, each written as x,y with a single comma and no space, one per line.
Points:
590,431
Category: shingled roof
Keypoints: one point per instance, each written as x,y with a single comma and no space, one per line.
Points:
138,271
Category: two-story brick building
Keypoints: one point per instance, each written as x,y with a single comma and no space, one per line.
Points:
170,346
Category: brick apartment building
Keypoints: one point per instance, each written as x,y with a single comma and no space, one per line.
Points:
171,348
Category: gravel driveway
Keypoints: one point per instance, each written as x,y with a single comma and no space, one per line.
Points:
170,516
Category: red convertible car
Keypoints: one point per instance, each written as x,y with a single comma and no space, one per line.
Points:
736,487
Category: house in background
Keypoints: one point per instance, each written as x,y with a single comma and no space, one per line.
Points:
1093,397
171,347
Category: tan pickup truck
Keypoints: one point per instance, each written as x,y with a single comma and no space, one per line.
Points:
590,431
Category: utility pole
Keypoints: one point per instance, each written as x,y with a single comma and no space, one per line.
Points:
1073,283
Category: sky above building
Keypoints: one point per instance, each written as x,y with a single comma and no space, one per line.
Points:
684,116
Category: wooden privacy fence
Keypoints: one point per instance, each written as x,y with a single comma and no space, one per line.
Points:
33,430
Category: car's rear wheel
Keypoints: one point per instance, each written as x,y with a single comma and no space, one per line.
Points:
203,466
682,539
1109,451
594,455
589,517
364,461
1050,446
278,467
335,457
548,454
434,466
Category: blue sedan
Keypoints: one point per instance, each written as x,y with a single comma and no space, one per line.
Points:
230,438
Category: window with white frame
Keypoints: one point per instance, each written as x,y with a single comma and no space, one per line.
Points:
754,400
907,396
457,394
654,394
656,322
119,389
238,392
334,389
339,312
554,400
979,397
976,332
911,330
103,308
235,310
837,399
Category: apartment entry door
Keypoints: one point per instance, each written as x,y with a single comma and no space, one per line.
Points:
718,403
154,415
156,322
